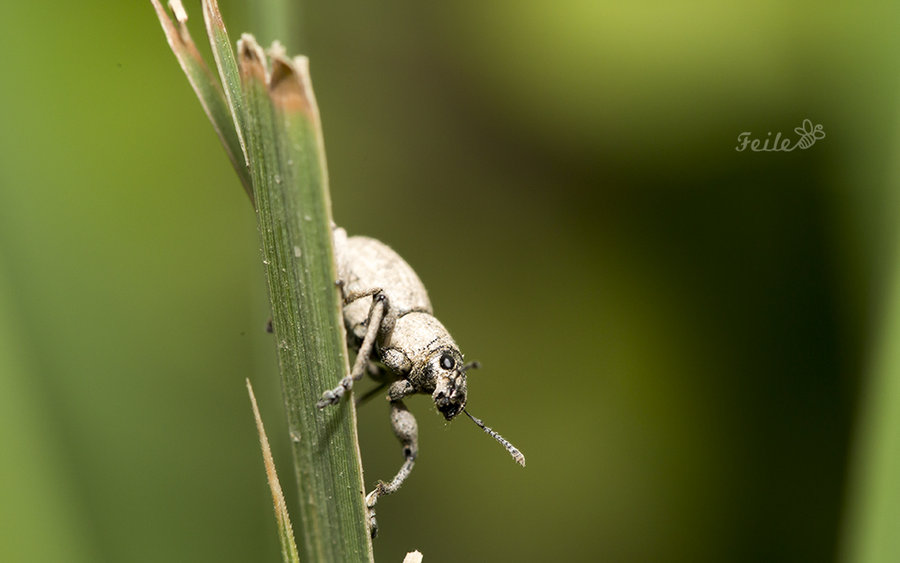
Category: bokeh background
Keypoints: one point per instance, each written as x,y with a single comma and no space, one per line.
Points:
679,336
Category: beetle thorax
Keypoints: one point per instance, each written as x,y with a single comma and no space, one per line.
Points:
417,336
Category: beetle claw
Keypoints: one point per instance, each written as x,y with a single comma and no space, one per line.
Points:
328,398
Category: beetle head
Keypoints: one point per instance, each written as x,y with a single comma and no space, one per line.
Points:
449,375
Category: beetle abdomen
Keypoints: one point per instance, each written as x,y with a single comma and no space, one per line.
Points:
364,264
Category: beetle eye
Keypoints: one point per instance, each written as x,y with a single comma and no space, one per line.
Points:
447,362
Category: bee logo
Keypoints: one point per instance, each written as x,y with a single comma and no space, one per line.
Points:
808,134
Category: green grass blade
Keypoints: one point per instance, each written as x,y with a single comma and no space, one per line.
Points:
284,142
285,532
205,85
873,507
227,65
275,126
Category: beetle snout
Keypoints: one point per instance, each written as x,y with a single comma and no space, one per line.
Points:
450,395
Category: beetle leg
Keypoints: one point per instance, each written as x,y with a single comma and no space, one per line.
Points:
376,313
407,432
399,389
356,295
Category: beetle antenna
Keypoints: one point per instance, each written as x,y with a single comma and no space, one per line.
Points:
471,365
517,455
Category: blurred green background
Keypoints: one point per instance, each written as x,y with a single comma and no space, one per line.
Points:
677,335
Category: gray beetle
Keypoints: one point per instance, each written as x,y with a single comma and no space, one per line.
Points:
389,318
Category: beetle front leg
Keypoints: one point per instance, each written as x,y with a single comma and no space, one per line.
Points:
376,314
407,432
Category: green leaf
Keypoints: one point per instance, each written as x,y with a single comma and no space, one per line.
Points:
227,65
874,500
285,532
205,85
284,142
273,120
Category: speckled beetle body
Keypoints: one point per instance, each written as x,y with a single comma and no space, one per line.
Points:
389,318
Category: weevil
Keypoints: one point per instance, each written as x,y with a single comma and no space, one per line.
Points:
391,325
